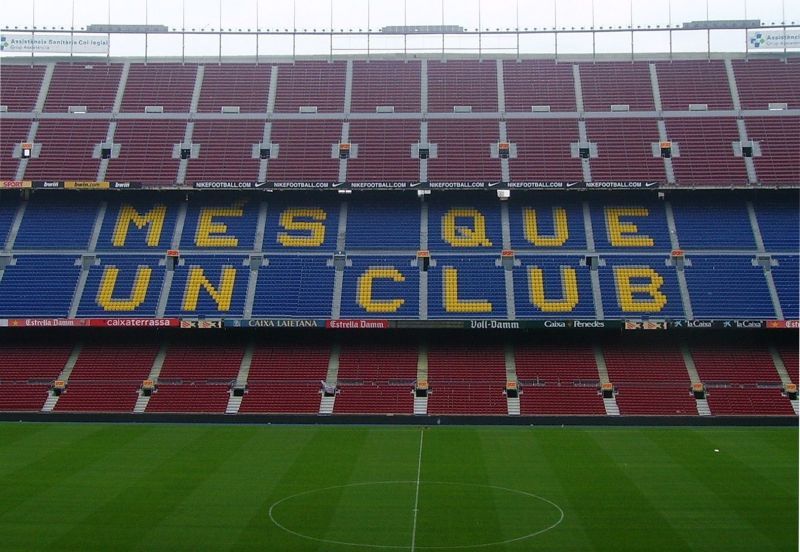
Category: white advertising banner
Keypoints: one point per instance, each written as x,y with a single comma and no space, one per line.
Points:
54,43
765,40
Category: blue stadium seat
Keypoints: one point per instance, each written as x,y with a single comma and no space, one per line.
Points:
779,224
786,276
728,287
308,224
129,225
480,286
391,223
706,224
630,225
7,211
544,216
558,303
663,303
181,297
294,287
389,297
57,223
39,286
228,222
122,295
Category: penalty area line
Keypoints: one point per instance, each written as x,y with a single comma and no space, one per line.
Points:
416,496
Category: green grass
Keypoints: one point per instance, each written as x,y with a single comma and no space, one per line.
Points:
211,487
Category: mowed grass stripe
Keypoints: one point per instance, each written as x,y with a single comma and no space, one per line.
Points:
458,457
733,481
153,487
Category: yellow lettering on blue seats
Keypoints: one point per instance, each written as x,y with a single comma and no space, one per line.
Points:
569,290
314,227
108,282
531,228
452,303
128,214
212,234
626,289
624,234
221,295
472,235
365,299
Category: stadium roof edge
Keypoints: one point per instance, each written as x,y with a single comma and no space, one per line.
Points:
650,56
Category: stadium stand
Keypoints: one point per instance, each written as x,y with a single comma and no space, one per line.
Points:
638,258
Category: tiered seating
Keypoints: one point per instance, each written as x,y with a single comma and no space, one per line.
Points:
393,291
26,373
694,231
146,151
740,380
463,150
650,380
235,84
764,81
780,142
311,83
40,286
693,82
478,291
196,378
94,86
19,86
225,296
386,83
384,151
791,361
464,235
120,286
225,150
169,85
8,210
538,82
384,223
624,150
728,287
613,83
294,286
285,213
543,150
305,151
41,362
220,223
535,219
779,223
462,82
643,271
12,132
706,153
376,380
75,223
116,235
466,380
630,226
558,380
67,147
286,379
786,275
557,301
735,401
107,377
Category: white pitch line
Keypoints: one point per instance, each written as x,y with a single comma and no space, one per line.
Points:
416,497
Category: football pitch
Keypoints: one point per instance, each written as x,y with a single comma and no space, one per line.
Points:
285,488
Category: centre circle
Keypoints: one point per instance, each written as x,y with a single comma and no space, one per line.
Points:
449,515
